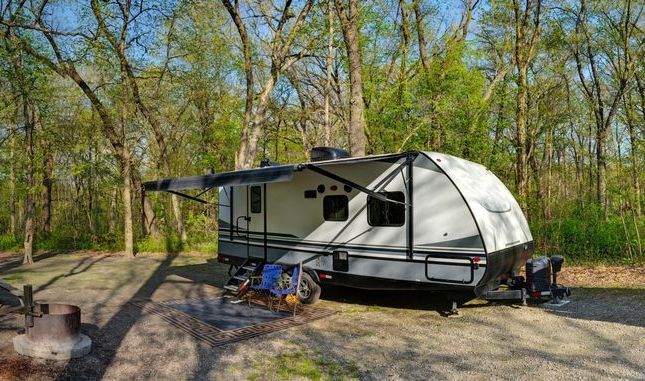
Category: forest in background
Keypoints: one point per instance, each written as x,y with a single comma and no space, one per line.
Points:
97,96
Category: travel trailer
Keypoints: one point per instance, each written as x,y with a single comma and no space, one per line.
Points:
415,220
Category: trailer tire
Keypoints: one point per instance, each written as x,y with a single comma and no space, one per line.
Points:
309,291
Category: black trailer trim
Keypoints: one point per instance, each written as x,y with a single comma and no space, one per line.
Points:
230,210
377,283
435,255
420,248
450,256
410,209
365,282
330,248
264,210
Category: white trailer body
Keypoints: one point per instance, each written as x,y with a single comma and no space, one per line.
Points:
417,220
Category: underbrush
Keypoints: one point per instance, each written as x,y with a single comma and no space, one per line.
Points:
586,237
9,242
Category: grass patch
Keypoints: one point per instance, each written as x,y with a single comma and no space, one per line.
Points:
300,364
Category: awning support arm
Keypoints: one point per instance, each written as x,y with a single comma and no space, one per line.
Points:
352,184
204,191
188,196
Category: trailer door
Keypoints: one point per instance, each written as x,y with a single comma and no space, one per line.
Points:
256,213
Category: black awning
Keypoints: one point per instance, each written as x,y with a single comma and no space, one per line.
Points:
275,174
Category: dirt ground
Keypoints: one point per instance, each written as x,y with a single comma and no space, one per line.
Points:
374,335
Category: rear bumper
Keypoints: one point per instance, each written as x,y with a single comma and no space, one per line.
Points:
503,264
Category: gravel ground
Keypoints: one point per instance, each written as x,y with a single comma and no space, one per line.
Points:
599,335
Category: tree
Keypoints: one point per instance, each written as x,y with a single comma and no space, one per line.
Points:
119,42
348,14
600,61
283,35
527,14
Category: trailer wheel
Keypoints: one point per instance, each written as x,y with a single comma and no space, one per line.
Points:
309,290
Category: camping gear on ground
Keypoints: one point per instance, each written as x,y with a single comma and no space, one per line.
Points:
414,221
275,283
286,286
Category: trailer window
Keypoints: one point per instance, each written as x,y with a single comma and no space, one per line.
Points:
335,208
384,213
256,199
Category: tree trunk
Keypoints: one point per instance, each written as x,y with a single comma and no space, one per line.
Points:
634,143
234,12
46,195
525,41
128,231
601,163
405,33
127,74
418,15
112,210
547,163
28,113
13,219
521,158
328,64
251,145
349,26
179,218
148,218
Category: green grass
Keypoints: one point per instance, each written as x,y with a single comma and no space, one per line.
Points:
310,365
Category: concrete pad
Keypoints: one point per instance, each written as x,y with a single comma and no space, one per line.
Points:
53,351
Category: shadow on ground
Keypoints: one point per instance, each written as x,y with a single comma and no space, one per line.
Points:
613,305
416,300
15,261
128,343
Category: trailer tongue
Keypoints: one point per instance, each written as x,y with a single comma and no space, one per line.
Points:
541,281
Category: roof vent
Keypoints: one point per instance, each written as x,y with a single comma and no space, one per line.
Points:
328,153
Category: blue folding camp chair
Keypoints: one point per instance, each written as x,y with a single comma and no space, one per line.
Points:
270,276
287,286
267,280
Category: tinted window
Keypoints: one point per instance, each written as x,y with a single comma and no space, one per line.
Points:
335,208
385,213
256,199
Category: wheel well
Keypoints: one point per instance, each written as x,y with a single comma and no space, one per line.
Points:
312,273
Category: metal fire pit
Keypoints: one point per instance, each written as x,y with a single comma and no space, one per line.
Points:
52,331
55,323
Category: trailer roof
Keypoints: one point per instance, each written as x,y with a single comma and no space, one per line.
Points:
271,174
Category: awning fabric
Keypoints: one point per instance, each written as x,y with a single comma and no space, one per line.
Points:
264,175
272,174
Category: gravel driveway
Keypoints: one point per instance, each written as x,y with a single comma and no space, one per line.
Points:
599,335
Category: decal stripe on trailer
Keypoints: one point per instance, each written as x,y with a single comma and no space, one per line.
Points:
293,239
397,258
360,248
